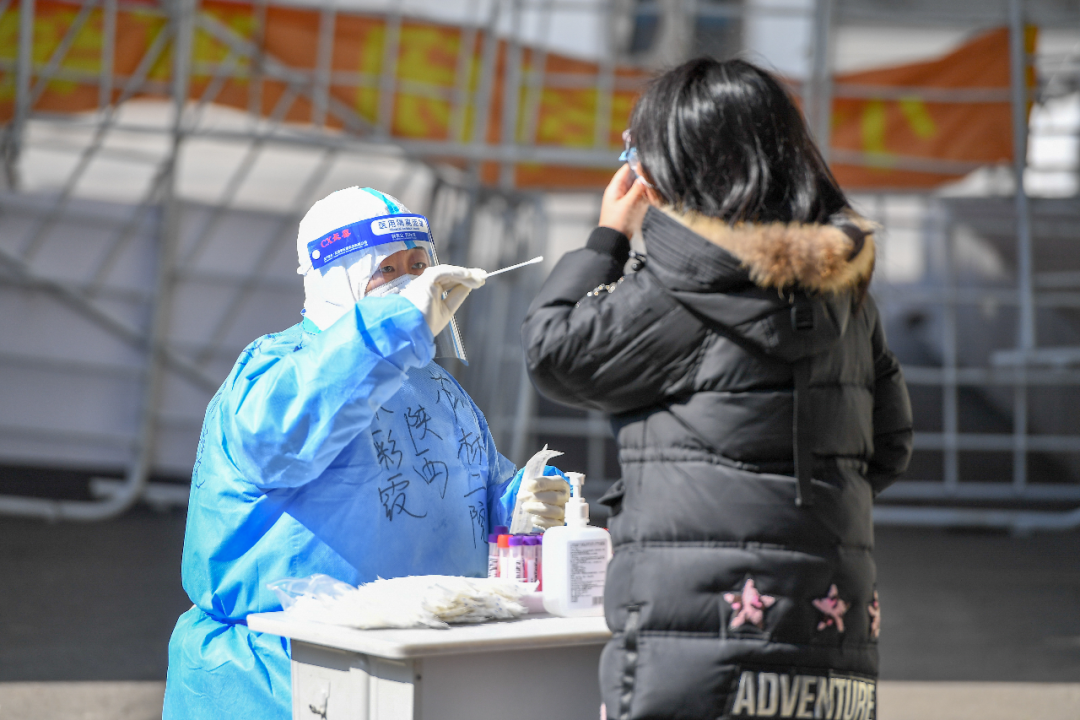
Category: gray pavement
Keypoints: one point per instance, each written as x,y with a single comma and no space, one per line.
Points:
966,619
896,701
975,606
100,700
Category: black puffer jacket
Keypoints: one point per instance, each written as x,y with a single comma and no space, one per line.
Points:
726,597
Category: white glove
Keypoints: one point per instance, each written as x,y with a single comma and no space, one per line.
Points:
426,292
543,499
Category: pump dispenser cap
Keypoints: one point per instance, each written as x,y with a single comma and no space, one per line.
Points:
577,510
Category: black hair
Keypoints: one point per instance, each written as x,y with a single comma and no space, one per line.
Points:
725,139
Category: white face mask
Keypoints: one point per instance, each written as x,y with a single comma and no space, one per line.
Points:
393,287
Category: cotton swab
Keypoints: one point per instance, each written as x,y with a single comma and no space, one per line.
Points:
539,258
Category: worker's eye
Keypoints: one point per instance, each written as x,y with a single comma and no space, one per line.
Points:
421,266
386,269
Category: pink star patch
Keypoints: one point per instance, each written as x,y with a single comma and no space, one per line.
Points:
749,606
833,608
875,617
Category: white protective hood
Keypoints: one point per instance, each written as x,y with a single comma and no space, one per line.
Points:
330,291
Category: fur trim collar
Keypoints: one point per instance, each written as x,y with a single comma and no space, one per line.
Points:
816,258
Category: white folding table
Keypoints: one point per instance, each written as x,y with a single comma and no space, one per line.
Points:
537,668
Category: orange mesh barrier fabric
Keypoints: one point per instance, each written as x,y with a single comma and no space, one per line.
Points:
930,122
900,133
266,62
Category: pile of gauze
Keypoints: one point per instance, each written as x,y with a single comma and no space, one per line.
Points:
408,602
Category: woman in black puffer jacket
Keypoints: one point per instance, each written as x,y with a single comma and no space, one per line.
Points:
757,407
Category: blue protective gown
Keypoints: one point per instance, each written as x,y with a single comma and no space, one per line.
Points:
346,452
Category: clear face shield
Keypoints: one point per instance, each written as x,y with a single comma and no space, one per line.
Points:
407,249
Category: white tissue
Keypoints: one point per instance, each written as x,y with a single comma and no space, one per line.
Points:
420,601
520,523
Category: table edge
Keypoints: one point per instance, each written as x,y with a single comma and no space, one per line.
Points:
316,634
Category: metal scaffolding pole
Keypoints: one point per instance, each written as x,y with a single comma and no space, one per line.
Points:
511,87
525,405
13,139
388,71
1024,271
61,51
456,132
817,93
481,102
108,52
538,67
138,474
950,415
122,496
605,83
323,66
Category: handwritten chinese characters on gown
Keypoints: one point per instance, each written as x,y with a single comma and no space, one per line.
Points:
346,452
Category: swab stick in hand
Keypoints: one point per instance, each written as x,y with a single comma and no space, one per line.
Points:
539,258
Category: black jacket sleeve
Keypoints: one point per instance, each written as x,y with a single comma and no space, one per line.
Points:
597,340
893,433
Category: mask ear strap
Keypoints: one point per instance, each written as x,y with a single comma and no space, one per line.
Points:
352,288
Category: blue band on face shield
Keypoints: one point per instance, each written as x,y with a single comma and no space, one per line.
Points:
409,229
391,207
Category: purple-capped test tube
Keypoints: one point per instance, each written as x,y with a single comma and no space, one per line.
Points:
532,552
517,557
539,562
493,555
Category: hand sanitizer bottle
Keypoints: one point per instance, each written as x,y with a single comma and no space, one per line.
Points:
575,558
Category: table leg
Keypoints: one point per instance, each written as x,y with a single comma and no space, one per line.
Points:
337,685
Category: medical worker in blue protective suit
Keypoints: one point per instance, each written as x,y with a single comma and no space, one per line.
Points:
336,447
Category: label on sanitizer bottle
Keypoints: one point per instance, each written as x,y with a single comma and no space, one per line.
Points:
587,568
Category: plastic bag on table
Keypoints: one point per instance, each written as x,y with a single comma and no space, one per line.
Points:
316,587
431,601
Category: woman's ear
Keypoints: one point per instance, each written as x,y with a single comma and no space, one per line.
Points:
654,197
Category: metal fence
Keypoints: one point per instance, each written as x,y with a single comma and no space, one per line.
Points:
141,283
